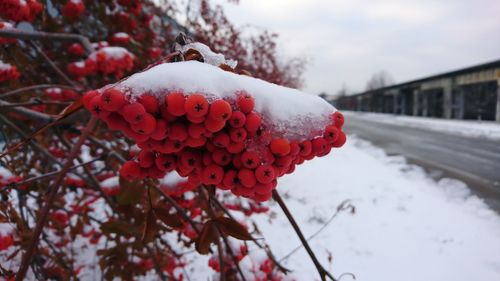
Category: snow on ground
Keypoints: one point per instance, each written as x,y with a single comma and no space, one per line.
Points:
406,226
469,128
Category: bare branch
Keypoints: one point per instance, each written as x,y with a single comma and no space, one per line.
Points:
47,36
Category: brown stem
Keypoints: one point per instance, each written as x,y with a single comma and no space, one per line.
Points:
54,66
47,36
178,208
43,216
36,87
270,255
323,273
35,115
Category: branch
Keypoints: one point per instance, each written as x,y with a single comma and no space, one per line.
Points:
343,206
35,115
47,36
43,216
37,87
323,273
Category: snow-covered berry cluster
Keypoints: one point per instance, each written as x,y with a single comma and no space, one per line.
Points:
108,61
209,140
58,94
5,40
8,72
20,10
73,9
76,49
120,38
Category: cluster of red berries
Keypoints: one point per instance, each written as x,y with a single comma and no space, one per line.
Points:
8,72
6,241
238,253
73,9
154,52
6,178
108,61
5,40
76,50
207,141
20,10
58,94
120,38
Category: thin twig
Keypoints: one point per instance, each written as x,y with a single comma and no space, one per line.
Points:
26,112
47,36
42,217
37,87
343,206
323,273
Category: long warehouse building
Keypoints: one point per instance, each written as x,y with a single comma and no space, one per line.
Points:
468,93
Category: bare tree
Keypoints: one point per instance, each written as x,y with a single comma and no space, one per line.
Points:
379,80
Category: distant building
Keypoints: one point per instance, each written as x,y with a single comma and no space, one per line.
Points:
468,93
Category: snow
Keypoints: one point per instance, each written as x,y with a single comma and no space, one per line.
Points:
112,52
209,56
111,182
172,179
285,110
469,128
121,35
5,66
406,226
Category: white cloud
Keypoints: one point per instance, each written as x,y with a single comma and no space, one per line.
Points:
348,40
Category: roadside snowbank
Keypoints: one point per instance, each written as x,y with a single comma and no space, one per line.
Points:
469,128
406,225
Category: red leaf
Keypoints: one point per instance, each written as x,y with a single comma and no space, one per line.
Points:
207,236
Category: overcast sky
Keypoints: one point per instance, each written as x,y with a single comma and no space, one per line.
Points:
347,41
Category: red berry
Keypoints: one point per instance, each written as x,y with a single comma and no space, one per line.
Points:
113,99
214,125
305,148
161,130
331,134
265,174
340,140
280,147
146,159
171,146
196,105
235,147
230,179
220,110
237,134
190,158
178,132
212,174
175,103
87,97
146,126
250,160
183,170
263,188
196,130
136,136
150,103
253,122
245,102
318,146
97,107
338,119
237,161
247,178
165,162
199,142
243,191
207,158
196,120
294,148
221,140
133,112
166,115
130,170
221,157
116,122
237,119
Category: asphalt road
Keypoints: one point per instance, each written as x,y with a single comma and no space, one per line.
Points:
474,161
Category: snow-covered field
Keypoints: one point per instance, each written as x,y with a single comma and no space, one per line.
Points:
406,226
470,128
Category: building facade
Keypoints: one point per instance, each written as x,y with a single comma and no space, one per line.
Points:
469,93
